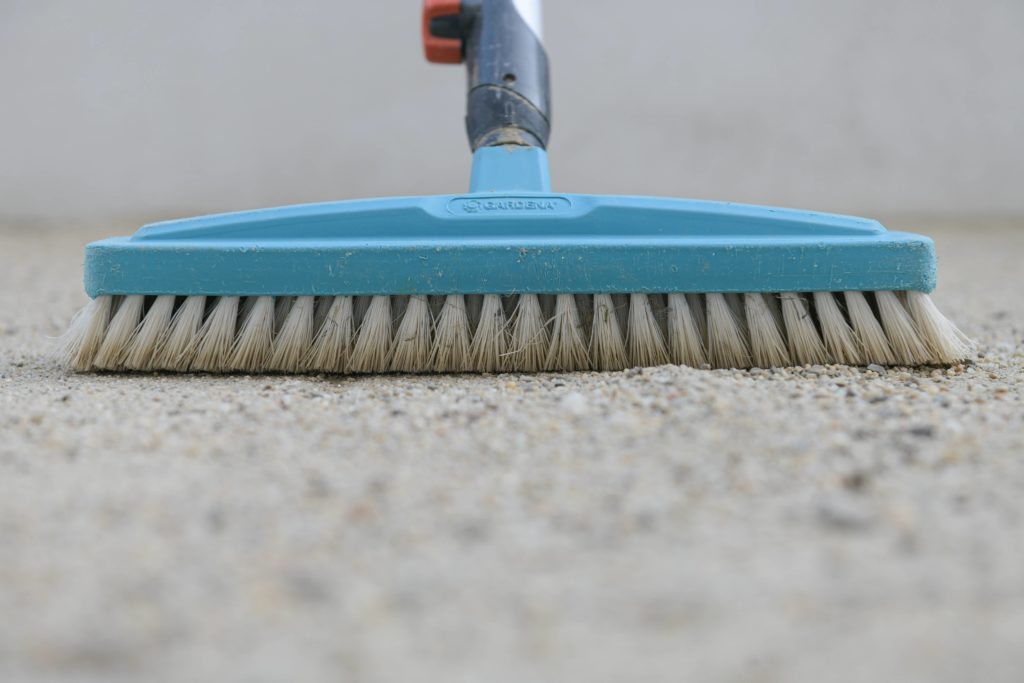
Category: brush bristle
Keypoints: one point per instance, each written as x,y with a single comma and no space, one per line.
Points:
373,341
900,329
644,340
727,346
217,337
176,349
874,346
142,348
944,341
767,343
568,350
78,346
255,341
607,348
489,349
835,331
516,333
411,350
530,338
686,344
332,347
450,352
295,337
805,345
120,333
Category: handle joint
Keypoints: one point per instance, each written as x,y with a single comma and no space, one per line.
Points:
509,99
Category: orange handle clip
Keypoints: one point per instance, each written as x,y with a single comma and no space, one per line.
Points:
440,50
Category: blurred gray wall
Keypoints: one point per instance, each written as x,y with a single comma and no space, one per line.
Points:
140,107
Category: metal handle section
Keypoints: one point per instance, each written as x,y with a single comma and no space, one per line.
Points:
530,11
509,97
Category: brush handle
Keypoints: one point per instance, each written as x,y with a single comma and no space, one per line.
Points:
509,96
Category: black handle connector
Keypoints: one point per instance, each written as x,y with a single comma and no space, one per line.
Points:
509,93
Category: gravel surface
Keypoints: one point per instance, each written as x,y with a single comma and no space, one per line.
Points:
668,524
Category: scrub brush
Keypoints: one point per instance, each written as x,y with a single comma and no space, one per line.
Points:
509,276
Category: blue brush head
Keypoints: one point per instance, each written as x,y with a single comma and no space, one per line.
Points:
510,234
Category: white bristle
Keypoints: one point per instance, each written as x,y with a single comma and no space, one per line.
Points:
436,302
489,348
245,306
293,342
684,341
607,349
508,305
529,335
697,309
774,302
767,343
659,308
320,310
868,331
727,347
946,343
402,333
154,326
373,341
217,336
620,304
332,346
900,330
805,345
568,349
474,306
585,308
78,346
644,341
835,331
450,352
119,333
735,302
399,303
176,349
360,305
255,340
411,348
282,305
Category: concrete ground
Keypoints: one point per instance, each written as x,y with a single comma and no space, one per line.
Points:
659,525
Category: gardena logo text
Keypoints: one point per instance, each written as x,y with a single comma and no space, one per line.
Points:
474,205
